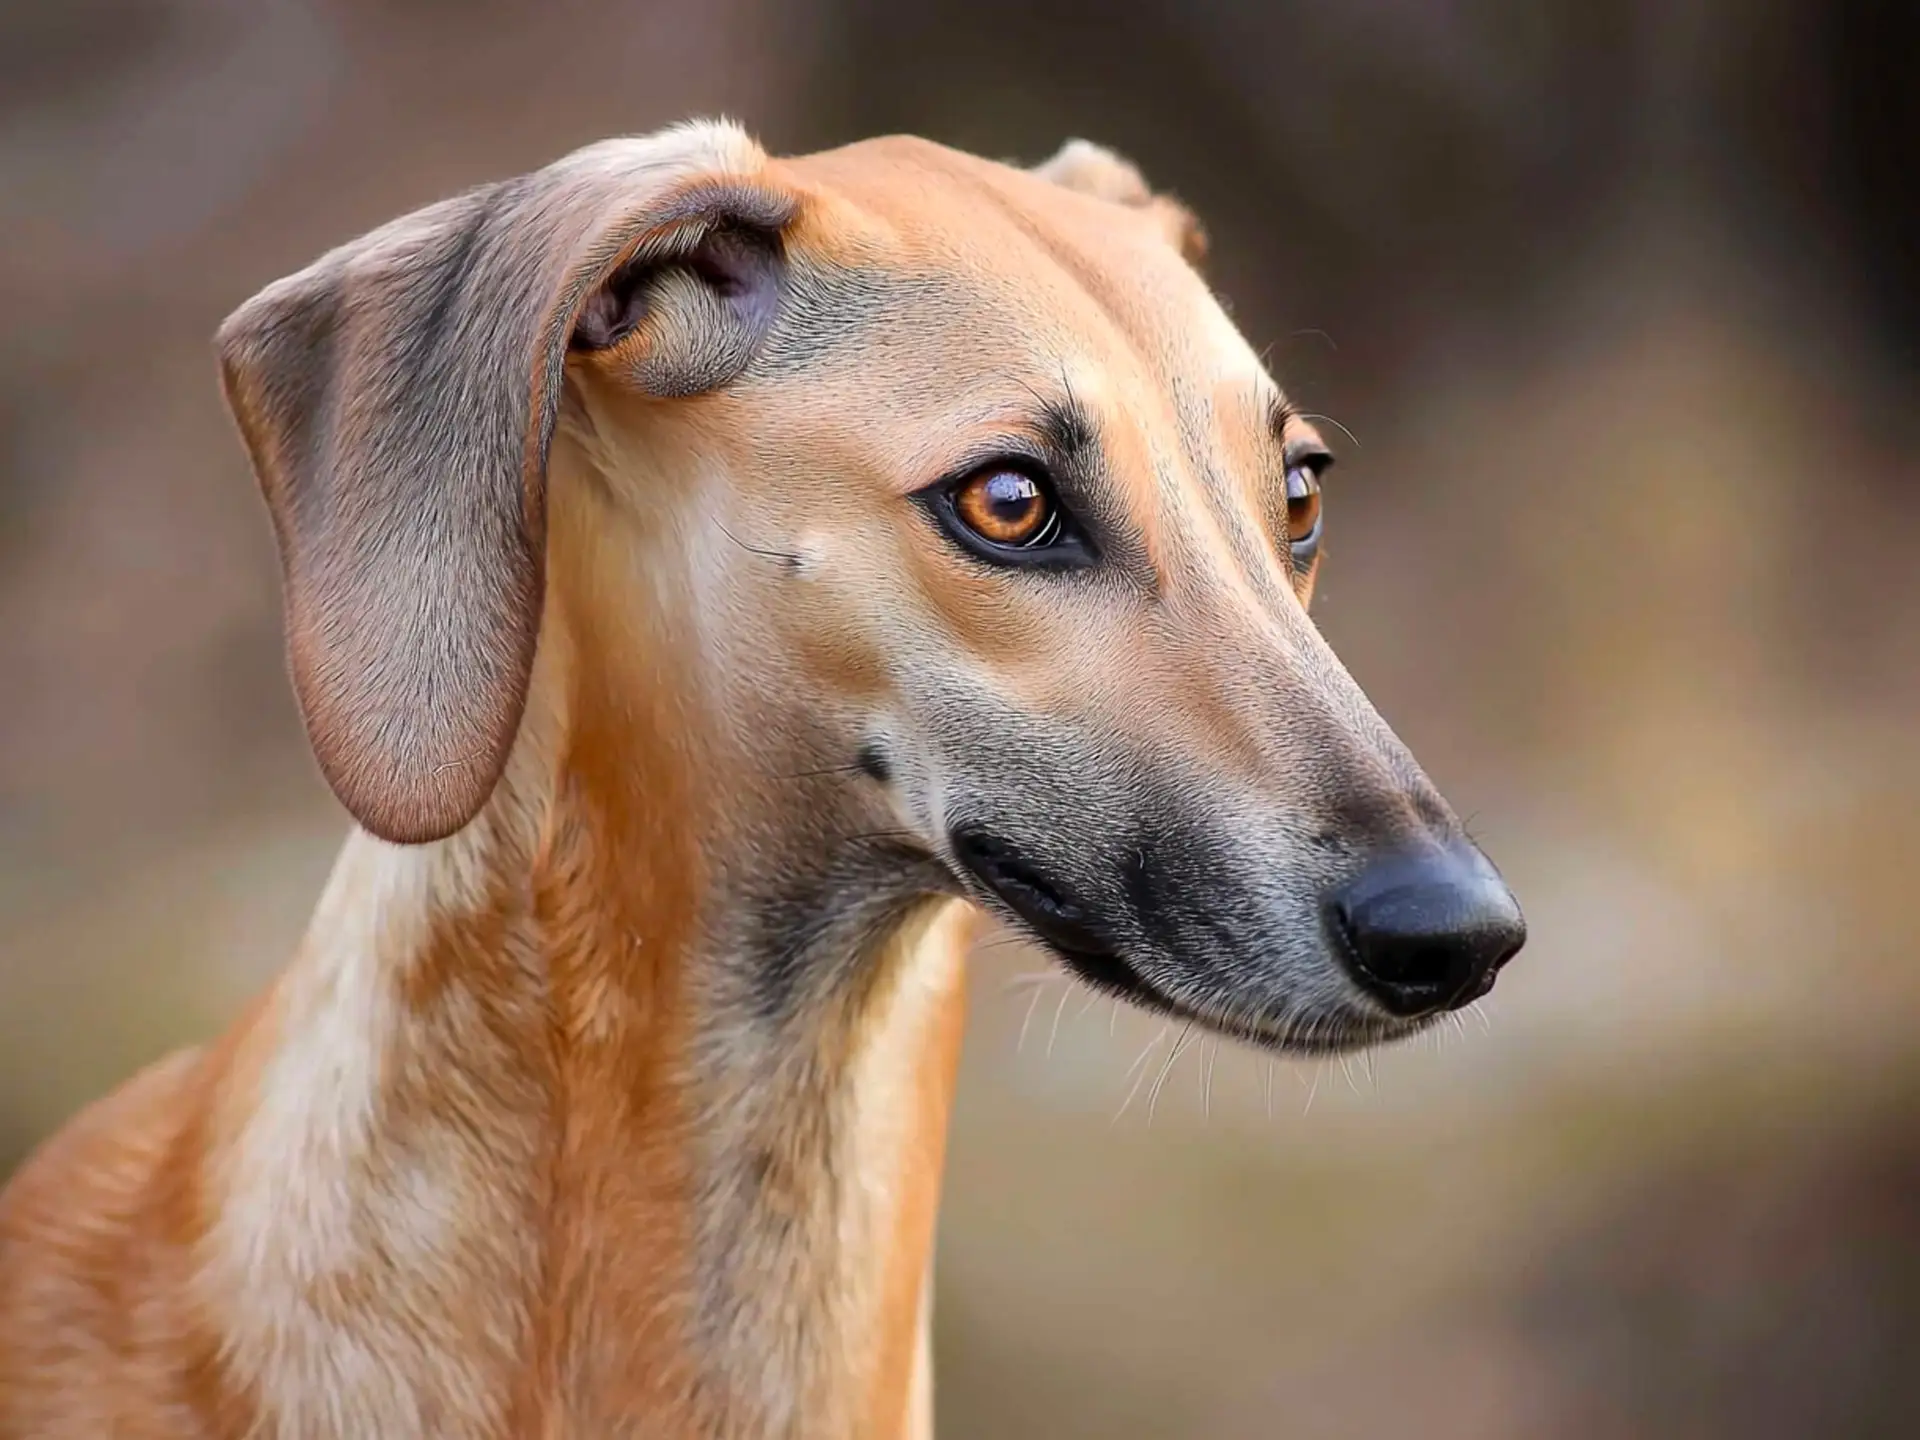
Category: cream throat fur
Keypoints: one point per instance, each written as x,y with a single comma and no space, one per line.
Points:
508,1112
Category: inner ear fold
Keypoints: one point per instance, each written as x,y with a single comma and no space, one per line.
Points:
398,399
1095,170
677,321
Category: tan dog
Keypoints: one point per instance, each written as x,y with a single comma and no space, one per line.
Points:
705,574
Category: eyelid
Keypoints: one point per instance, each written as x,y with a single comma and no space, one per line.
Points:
1302,456
1011,452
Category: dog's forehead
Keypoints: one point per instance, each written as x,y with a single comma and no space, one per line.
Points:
1051,274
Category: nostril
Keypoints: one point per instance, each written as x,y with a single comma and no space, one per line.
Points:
1426,931
1511,944
1406,962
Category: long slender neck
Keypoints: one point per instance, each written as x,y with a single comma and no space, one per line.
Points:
574,1125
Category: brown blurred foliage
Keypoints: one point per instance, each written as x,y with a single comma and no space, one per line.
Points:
1620,301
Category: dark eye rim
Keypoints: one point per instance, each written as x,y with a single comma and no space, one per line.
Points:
1061,545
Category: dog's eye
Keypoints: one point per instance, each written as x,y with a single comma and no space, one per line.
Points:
1007,512
1007,508
1303,505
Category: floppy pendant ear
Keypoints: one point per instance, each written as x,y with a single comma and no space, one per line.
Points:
398,400
1095,170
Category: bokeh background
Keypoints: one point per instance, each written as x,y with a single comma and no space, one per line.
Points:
1619,301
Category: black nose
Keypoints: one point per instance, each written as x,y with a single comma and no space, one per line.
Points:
1427,930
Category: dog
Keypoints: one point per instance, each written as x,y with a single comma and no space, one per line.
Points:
712,583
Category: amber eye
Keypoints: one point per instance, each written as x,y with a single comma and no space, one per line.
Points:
1005,507
1303,511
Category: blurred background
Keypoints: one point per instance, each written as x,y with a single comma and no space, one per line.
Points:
1619,301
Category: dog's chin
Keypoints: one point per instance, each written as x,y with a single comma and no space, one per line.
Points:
1323,1030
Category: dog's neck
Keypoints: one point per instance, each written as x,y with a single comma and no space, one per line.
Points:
568,1124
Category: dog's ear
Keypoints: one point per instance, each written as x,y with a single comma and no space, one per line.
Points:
398,400
1095,170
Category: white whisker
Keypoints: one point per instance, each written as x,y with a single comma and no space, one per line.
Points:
1140,1066
1021,1044
1179,1047
1053,1034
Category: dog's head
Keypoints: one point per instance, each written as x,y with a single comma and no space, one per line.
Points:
944,483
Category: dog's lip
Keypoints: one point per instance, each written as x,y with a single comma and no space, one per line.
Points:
1062,927
1110,972
1355,1031
994,867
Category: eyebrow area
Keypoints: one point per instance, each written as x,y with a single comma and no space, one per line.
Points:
1297,449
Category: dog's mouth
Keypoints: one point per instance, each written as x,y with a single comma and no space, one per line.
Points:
995,871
